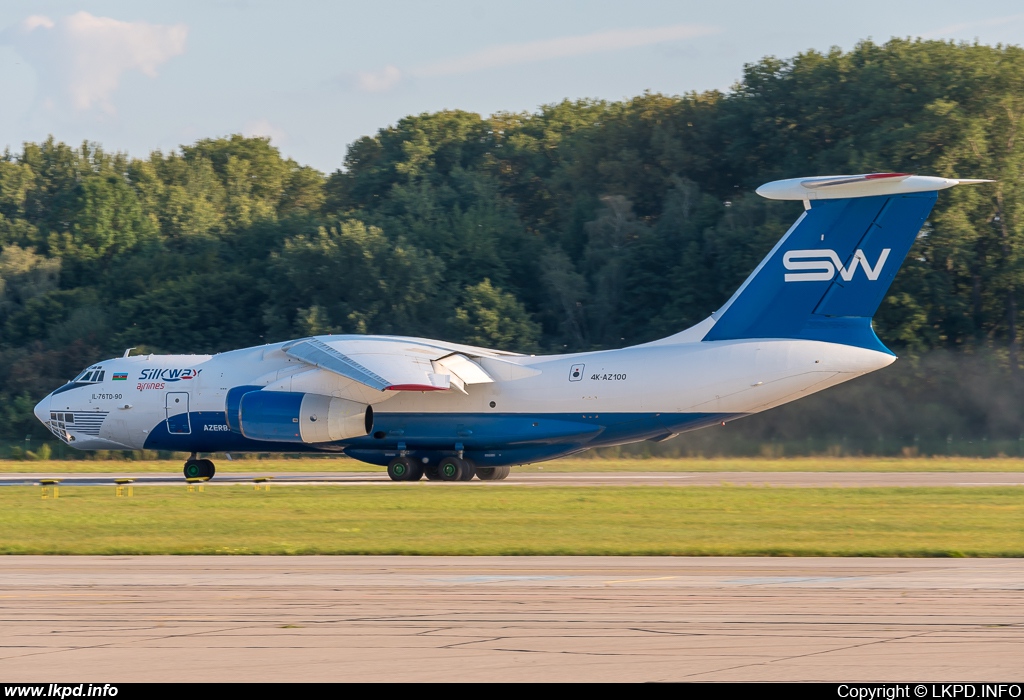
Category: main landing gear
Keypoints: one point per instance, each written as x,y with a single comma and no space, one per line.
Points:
455,469
405,469
448,469
492,473
199,468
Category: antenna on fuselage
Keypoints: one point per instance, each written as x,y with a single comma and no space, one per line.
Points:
127,352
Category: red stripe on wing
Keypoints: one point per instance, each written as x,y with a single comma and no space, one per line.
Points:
414,387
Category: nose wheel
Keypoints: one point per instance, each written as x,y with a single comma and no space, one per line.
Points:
199,469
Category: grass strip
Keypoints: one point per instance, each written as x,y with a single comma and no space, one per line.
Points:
343,464
466,520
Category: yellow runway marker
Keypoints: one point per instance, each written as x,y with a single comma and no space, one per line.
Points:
124,487
50,488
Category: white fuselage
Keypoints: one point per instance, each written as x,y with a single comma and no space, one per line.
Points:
669,381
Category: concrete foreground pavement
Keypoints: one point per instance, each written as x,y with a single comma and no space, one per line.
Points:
253,619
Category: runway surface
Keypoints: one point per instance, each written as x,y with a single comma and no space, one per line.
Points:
809,479
118,619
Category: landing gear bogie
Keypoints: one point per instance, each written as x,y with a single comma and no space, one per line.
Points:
451,468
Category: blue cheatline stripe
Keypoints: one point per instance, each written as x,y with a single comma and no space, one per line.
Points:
441,431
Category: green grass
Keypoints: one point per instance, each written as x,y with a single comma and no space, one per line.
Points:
447,519
343,464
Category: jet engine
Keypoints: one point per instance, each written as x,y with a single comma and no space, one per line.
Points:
288,416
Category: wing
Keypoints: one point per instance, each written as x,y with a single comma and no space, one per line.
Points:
390,365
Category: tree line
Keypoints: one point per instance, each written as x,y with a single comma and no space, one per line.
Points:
582,225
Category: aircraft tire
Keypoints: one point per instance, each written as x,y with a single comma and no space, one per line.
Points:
450,469
208,469
193,469
468,470
400,469
432,472
492,473
415,471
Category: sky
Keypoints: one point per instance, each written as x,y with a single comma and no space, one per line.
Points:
315,75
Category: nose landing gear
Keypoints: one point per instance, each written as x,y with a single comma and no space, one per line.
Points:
198,468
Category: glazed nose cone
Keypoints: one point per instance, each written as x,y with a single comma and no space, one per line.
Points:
42,410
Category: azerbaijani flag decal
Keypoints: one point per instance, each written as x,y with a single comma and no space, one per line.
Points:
120,376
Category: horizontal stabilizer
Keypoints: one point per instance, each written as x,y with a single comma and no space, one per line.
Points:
848,186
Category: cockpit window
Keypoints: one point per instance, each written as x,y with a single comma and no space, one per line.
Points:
89,377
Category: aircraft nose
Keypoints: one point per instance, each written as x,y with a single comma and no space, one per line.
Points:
42,410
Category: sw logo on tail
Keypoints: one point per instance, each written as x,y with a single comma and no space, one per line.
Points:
821,265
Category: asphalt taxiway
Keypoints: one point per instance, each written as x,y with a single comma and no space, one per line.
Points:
808,479
119,619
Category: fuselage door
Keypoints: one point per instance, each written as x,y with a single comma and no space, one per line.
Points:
177,413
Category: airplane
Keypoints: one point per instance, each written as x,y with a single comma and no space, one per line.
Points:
800,323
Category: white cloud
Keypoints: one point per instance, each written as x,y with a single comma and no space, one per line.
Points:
504,55
263,127
34,21
378,81
562,47
954,29
80,59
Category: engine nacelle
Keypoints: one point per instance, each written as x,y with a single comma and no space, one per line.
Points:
288,416
233,404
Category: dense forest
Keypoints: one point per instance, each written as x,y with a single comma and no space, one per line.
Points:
583,225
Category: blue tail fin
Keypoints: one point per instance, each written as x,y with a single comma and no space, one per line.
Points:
827,276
